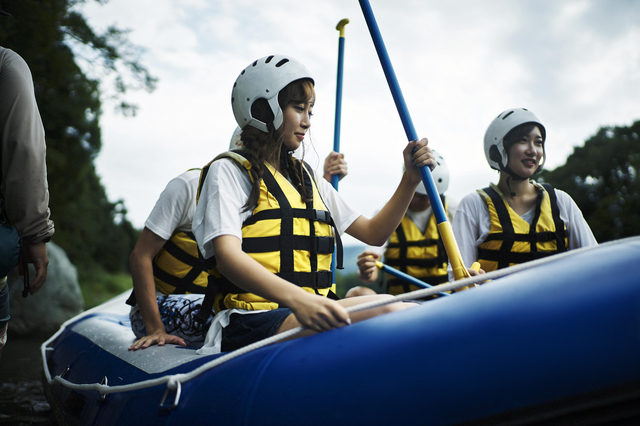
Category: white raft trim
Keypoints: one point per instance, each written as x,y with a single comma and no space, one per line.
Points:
173,382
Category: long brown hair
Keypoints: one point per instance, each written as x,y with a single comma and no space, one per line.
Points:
262,146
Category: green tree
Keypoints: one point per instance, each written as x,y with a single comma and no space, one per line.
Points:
53,38
602,178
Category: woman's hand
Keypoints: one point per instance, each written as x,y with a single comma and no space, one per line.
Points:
335,164
312,311
421,157
367,269
318,313
473,272
159,337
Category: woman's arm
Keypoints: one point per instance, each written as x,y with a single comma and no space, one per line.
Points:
141,263
378,229
312,311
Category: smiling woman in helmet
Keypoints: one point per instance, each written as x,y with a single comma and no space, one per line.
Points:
518,219
267,227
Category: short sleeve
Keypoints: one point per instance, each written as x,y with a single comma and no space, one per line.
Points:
175,207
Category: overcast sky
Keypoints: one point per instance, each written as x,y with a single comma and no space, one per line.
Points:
574,63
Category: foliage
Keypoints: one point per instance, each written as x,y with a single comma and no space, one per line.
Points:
98,286
602,178
52,37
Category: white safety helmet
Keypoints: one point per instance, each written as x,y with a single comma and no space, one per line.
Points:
264,79
440,175
236,141
494,149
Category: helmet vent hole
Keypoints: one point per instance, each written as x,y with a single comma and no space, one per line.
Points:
255,63
508,114
281,63
242,73
268,59
267,90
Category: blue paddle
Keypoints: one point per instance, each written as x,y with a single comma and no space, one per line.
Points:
336,130
405,277
444,227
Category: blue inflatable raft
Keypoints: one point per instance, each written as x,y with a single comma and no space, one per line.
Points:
556,341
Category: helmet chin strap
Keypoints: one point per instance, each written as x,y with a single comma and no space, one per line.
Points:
513,176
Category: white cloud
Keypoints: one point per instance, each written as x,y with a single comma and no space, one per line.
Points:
458,63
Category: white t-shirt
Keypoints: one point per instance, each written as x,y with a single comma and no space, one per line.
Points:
472,224
219,212
224,194
176,206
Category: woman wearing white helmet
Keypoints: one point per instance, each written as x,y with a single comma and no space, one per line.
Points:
415,247
518,219
169,281
267,228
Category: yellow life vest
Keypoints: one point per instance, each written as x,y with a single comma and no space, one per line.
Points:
177,268
421,255
291,238
512,240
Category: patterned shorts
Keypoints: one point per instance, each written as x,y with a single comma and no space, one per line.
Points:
178,316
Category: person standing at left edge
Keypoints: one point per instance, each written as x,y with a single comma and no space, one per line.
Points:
25,226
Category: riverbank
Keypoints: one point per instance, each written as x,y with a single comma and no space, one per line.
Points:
22,399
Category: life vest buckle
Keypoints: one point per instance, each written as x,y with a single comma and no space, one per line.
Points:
321,216
323,245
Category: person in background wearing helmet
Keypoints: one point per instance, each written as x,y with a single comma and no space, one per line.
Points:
267,228
415,247
518,219
169,280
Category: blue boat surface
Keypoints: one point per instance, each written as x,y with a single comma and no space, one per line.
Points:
555,342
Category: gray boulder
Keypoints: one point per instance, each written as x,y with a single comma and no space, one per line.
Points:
58,300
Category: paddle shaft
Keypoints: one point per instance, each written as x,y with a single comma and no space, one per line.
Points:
336,130
405,277
438,209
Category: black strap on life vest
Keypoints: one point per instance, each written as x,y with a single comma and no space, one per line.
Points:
504,256
286,243
402,262
560,233
210,293
186,283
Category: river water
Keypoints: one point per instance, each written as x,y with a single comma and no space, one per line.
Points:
22,399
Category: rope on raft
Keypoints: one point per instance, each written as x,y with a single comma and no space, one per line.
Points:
174,381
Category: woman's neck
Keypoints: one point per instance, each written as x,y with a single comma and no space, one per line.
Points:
520,194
